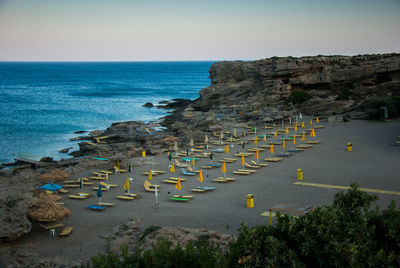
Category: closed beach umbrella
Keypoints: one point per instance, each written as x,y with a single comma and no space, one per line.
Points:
317,120
295,127
303,137
271,149
81,183
176,147
169,156
287,130
255,140
276,134
224,168
310,122
257,154
143,153
191,144
283,145
192,162
294,139
172,169
226,149
200,179
235,133
178,184
312,134
150,175
126,185
302,125
206,139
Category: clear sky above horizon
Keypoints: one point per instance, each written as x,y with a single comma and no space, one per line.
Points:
158,30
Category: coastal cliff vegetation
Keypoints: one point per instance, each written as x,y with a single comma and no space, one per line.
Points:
348,233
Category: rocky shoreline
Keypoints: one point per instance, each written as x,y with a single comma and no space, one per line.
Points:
240,94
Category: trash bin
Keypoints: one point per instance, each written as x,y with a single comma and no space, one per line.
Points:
299,174
250,201
349,147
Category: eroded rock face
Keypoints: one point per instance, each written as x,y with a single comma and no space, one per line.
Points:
269,82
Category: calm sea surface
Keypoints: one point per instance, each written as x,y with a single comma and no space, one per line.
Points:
42,104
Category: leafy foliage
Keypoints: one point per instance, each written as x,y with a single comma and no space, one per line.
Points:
298,96
149,230
344,95
347,234
372,106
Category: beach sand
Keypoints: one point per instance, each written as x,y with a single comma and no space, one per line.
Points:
373,163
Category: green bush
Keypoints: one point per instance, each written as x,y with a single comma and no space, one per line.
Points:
346,234
372,106
344,95
298,96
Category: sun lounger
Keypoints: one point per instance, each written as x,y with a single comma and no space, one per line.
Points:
125,197
206,188
98,178
275,142
179,199
183,196
176,179
119,170
238,172
273,159
106,204
136,196
66,231
197,150
256,149
150,187
181,165
259,164
247,170
223,180
206,167
70,186
72,196
187,173
313,142
319,127
109,185
244,154
63,191
295,150
96,208
265,146
106,171
158,171
303,146
218,150
71,182
284,154
192,170
251,166
87,195
198,190
170,181
102,188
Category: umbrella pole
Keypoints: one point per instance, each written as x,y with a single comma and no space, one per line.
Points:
100,200
156,194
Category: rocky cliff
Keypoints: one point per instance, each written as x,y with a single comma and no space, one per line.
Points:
269,82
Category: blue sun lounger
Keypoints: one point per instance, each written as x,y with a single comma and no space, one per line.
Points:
96,208
215,165
207,188
187,173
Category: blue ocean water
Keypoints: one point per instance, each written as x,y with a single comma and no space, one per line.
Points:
42,104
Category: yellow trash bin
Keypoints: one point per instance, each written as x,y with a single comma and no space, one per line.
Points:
299,174
349,147
250,201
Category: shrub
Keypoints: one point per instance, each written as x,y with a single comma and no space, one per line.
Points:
298,96
344,95
372,106
346,234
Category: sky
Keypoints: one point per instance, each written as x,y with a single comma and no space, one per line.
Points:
178,30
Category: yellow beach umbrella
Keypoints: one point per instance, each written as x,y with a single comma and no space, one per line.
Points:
200,179
255,140
265,137
295,127
283,144
226,149
206,139
224,168
276,134
150,175
178,184
192,162
126,185
294,139
303,137
143,153
235,133
310,122
312,134
302,125
172,169
287,130
317,120
271,149
257,155
243,160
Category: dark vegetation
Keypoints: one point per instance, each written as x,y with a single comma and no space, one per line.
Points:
373,105
348,233
298,96
344,95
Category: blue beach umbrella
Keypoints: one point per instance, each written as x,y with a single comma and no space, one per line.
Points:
51,187
99,193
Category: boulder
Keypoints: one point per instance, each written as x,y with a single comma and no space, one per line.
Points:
148,104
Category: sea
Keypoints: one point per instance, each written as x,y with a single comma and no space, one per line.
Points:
42,104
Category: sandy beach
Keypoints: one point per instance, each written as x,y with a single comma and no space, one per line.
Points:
374,163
